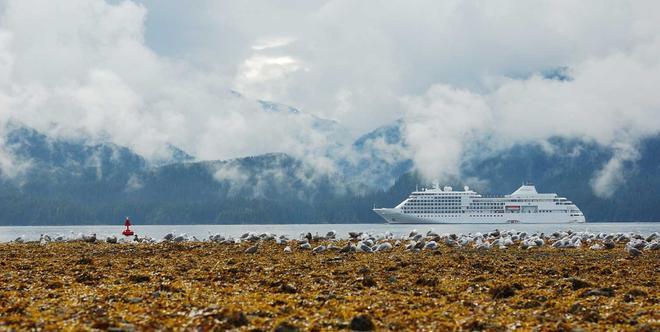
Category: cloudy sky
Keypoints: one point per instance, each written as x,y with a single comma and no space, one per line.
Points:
148,73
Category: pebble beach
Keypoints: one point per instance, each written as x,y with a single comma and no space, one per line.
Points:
496,281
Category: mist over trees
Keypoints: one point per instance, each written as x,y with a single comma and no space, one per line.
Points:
74,183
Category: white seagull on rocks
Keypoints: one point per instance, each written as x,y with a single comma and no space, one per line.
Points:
385,246
363,247
431,245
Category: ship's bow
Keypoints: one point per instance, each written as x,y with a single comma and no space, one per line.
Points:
392,216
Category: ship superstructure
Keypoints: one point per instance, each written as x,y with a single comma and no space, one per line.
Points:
444,205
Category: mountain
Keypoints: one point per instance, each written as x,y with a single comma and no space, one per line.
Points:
80,183
382,155
568,170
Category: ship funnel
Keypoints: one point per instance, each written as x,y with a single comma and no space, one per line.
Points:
466,188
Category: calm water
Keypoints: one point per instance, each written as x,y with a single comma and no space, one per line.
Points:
202,231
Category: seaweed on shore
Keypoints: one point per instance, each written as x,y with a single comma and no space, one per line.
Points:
182,286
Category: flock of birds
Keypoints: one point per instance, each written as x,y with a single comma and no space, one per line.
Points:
635,243
415,241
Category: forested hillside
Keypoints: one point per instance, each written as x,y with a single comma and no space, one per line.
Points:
74,183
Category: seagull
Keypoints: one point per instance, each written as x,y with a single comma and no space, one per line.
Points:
577,243
597,246
216,238
319,249
411,245
639,244
348,248
413,233
362,247
354,235
89,238
451,242
484,246
287,249
632,251
252,250
431,245
385,246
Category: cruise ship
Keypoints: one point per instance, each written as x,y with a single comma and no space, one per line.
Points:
445,206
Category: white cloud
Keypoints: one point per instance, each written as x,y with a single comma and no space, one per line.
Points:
609,100
268,43
439,123
145,74
134,183
614,173
92,76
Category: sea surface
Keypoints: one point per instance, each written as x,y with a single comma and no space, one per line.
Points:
9,233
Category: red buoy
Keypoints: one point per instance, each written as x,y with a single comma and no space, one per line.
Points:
127,231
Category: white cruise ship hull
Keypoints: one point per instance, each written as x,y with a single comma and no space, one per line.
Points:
446,206
396,216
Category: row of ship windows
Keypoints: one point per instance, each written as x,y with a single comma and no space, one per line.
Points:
559,201
473,205
423,211
432,207
437,194
509,200
487,203
435,200
437,215
457,216
431,204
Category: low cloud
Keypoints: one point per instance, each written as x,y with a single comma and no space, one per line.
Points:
134,183
614,172
453,71
609,100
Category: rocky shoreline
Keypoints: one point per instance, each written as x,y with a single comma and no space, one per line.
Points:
421,281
